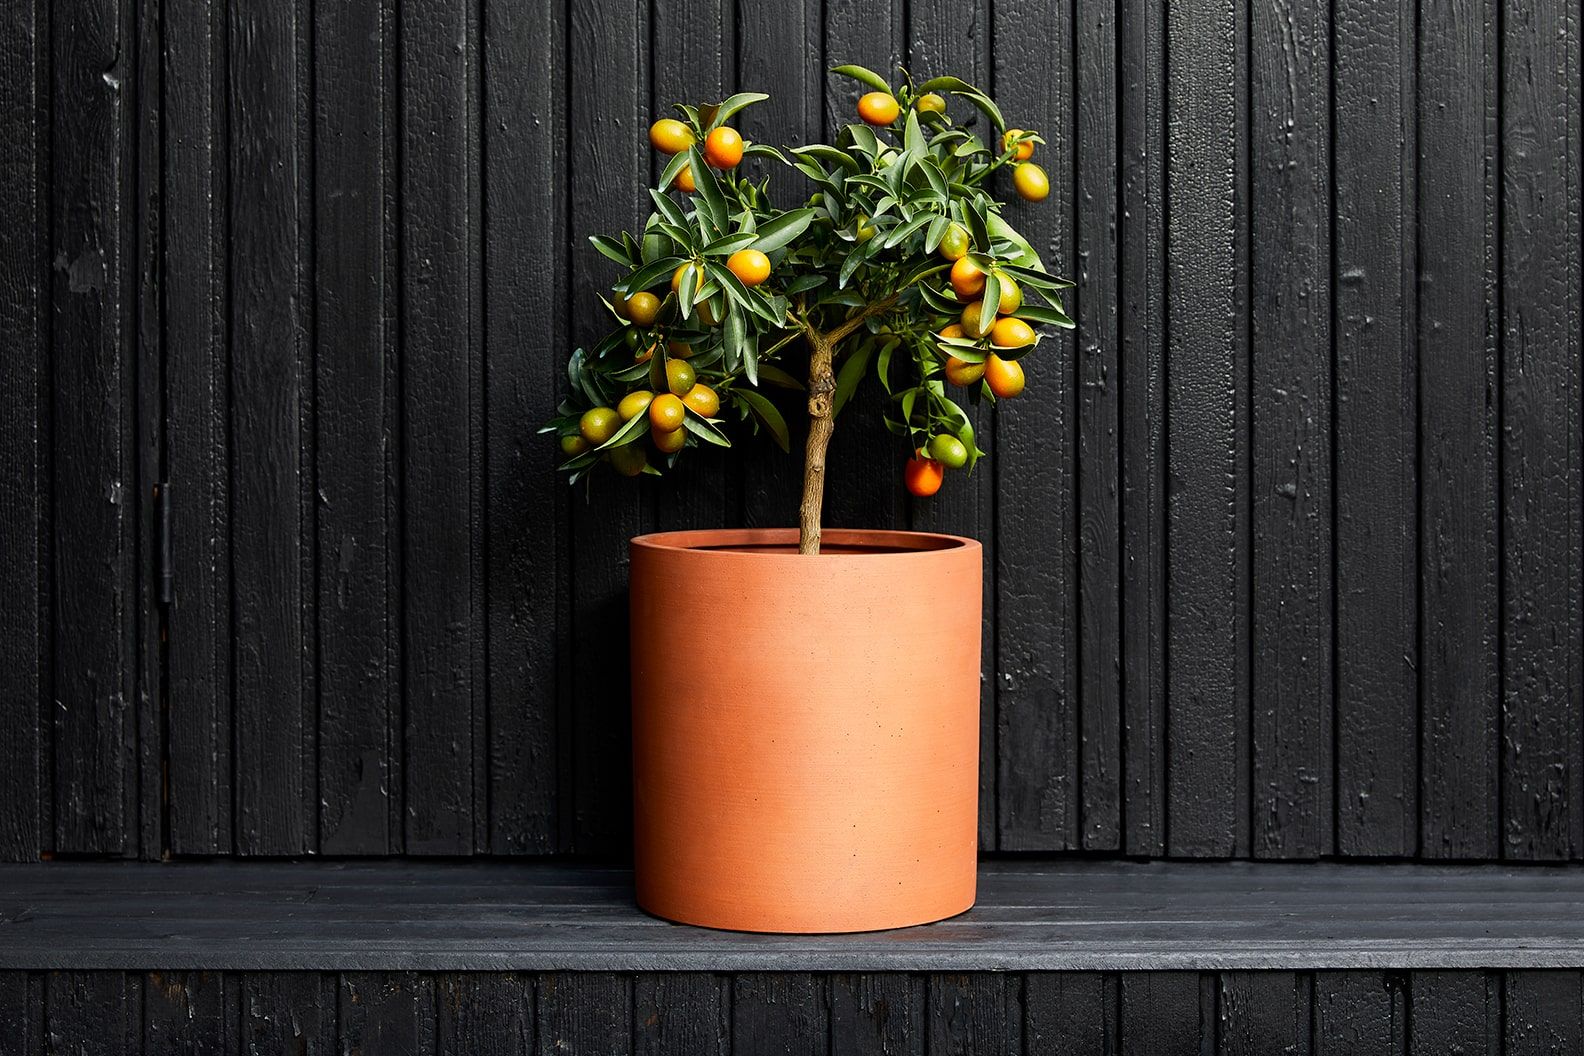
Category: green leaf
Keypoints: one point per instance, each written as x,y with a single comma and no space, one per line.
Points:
901,232
825,152
803,283
1026,258
650,274
612,249
734,335
626,434
764,150
852,371
946,84
783,229
688,290
977,227
710,195
587,458
913,136
767,413
700,427
1033,313
726,245
776,376
937,231
991,303
669,173
864,76
731,105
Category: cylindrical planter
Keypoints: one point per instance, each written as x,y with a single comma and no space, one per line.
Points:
805,729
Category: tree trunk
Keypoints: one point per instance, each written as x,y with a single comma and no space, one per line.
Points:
822,394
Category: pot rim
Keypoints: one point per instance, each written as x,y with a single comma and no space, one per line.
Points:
856,543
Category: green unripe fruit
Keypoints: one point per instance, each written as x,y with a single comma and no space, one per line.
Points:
949,451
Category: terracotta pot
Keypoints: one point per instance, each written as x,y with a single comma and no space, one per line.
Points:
805,729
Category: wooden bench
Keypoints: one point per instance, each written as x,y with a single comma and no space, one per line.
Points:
1079,954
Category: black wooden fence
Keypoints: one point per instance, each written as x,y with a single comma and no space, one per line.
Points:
1283,549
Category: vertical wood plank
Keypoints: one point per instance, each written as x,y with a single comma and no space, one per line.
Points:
585,1012
975,1014
441,426
93,478
23,440
93,1014
1458,399
782,52
1097,258
22,1012
1541,1014
780,1014
1359,1014
609,103
526,345
198,618
485,1014
1071,1013
1376,408
1141,36
1455,1012
269,361
1263,1012
681,1012
956,40
1036,610
863,482
1542,663
877,1014
387,1012
358,673
1207,604
1290,268
294,1012
694,63
1162,1014
188,1012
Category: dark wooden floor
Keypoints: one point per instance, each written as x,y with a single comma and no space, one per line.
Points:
1094,916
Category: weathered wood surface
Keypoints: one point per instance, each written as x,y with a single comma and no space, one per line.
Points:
1516,1013
1082,916
1284,547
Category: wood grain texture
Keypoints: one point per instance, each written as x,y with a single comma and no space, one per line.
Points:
1455,1012
24,437
297,1012
1459,397
529,584
1359,1013
441,427
486,1015
274,721
878,1014
608,70
1291,389
1164,1013
1207,440
1515,1013
354,375
1542,533
979,1012
1141,58
1036,568
1375,410
682,1014
386,1013
780,1014
1285,542
584,1013
1095,262
93,475
198,623
1541,1013
189,1012
1071,1013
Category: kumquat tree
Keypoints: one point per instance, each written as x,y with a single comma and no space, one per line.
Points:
899,265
